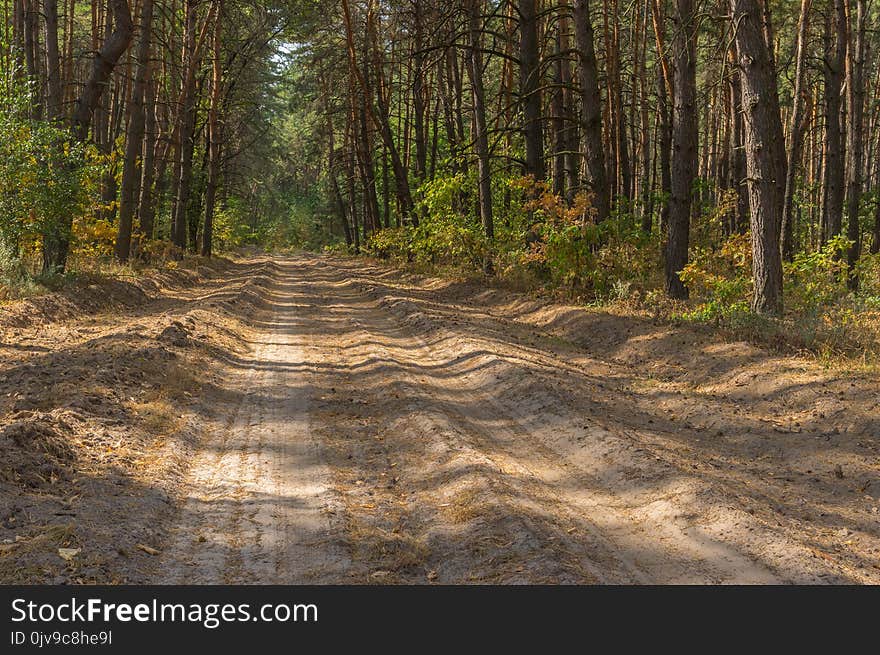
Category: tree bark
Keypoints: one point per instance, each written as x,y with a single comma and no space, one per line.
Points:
855,146
215,134
32,53
152,142
765,154
102,67
591,110
737,218
382,122
134,139
56,240
53,61
186,128
684,146
481,138
796,130
418,91
833,70
530,88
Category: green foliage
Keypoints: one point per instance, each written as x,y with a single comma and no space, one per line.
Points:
445,235
48,182
540,239
721,279
816,279
868,273
822,314
231,227
446,240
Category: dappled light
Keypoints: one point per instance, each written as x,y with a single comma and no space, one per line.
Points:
430,292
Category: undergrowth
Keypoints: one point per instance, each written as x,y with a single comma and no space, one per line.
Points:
552,246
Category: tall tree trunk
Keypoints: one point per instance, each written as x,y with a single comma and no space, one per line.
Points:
334,183
152,143
530,88
796,131
32,53
481,138
646,191
834,64
737,218
134,143
572,129
53,61
855,146
557,104
382,121
765,154
102,67
664,92
186,122
418,91
215,134
622,180
367,169
591,109
684,145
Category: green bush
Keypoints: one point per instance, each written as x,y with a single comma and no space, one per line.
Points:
48,182
817,279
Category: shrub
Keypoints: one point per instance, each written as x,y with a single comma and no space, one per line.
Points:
816,279
48,182
721,279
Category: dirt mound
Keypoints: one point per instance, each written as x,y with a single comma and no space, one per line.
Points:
251,297
85,296
92,294
178,333
99,396
35,448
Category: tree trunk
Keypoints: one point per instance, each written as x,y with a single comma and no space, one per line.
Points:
684,145
102,67
765,154
591,109
382,122
367,169
833,69
481,138
147,204
572,129
855,147
56,240
557,104
215,135
32,53
796,131
418,92
530,88
186,127
53,61
134,139
737,218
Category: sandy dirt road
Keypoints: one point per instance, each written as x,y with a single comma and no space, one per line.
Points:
405,430
311,419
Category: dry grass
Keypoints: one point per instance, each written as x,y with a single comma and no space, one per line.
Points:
44,539
157,416
387,550
178,379
467,505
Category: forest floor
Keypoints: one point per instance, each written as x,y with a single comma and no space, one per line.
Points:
312,419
